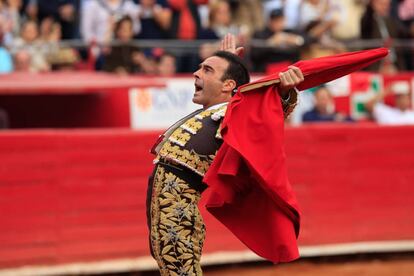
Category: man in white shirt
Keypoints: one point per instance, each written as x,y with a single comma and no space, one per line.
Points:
99,17
401,113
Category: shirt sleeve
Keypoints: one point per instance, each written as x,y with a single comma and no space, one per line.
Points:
87,19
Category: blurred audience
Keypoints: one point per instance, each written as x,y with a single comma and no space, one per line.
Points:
221,19
249,14
22,61
166,65
65,12
404,11
6,61
282,44
9,19
317,19
324,108
155,19
326,12
399,114
124,58
64,59
49,30
220,22
290,8
350,22
30,43
98,18
376,23
186,21
296,29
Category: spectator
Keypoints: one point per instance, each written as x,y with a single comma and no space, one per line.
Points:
400,114
155,20
282,45
290,8
317,18
186,22
326,12
349,29
9,19
99,18
324,108
166,65
249,14
124,58
186,25
403,10
50,30
65,12
64,59
29,42
376,23
69,18
22,61
6,62
221,21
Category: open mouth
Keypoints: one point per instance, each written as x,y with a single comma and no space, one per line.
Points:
197,87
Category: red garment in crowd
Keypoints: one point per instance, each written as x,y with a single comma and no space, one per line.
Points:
249,188
187,27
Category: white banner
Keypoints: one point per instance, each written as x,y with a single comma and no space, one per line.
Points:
158,108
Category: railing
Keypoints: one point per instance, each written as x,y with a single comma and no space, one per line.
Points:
183,46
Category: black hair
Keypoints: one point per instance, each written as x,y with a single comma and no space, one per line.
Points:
276,13
237,69
121,21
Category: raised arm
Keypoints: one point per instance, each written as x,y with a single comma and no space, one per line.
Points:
228,44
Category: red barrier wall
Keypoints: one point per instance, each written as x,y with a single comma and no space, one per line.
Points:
69,99
103,109
75,196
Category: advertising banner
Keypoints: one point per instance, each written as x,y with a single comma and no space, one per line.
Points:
158,108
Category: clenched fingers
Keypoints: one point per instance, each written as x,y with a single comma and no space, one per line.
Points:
291,78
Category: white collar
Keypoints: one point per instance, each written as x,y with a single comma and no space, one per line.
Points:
216,106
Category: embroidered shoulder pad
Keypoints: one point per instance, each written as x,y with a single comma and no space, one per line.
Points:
219,113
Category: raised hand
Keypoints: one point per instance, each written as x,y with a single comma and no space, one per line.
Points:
228,44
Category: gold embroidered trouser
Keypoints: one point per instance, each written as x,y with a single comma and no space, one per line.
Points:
177,229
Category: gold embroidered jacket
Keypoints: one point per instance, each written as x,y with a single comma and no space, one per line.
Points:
193,141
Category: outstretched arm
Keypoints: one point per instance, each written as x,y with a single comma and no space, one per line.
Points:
289,79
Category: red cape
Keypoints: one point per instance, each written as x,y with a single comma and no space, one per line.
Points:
249,188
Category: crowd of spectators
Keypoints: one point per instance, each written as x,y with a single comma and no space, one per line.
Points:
106,34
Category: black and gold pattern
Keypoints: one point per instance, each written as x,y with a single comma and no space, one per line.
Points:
180,137
183,157
175,147
189,159
177,228
183,134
